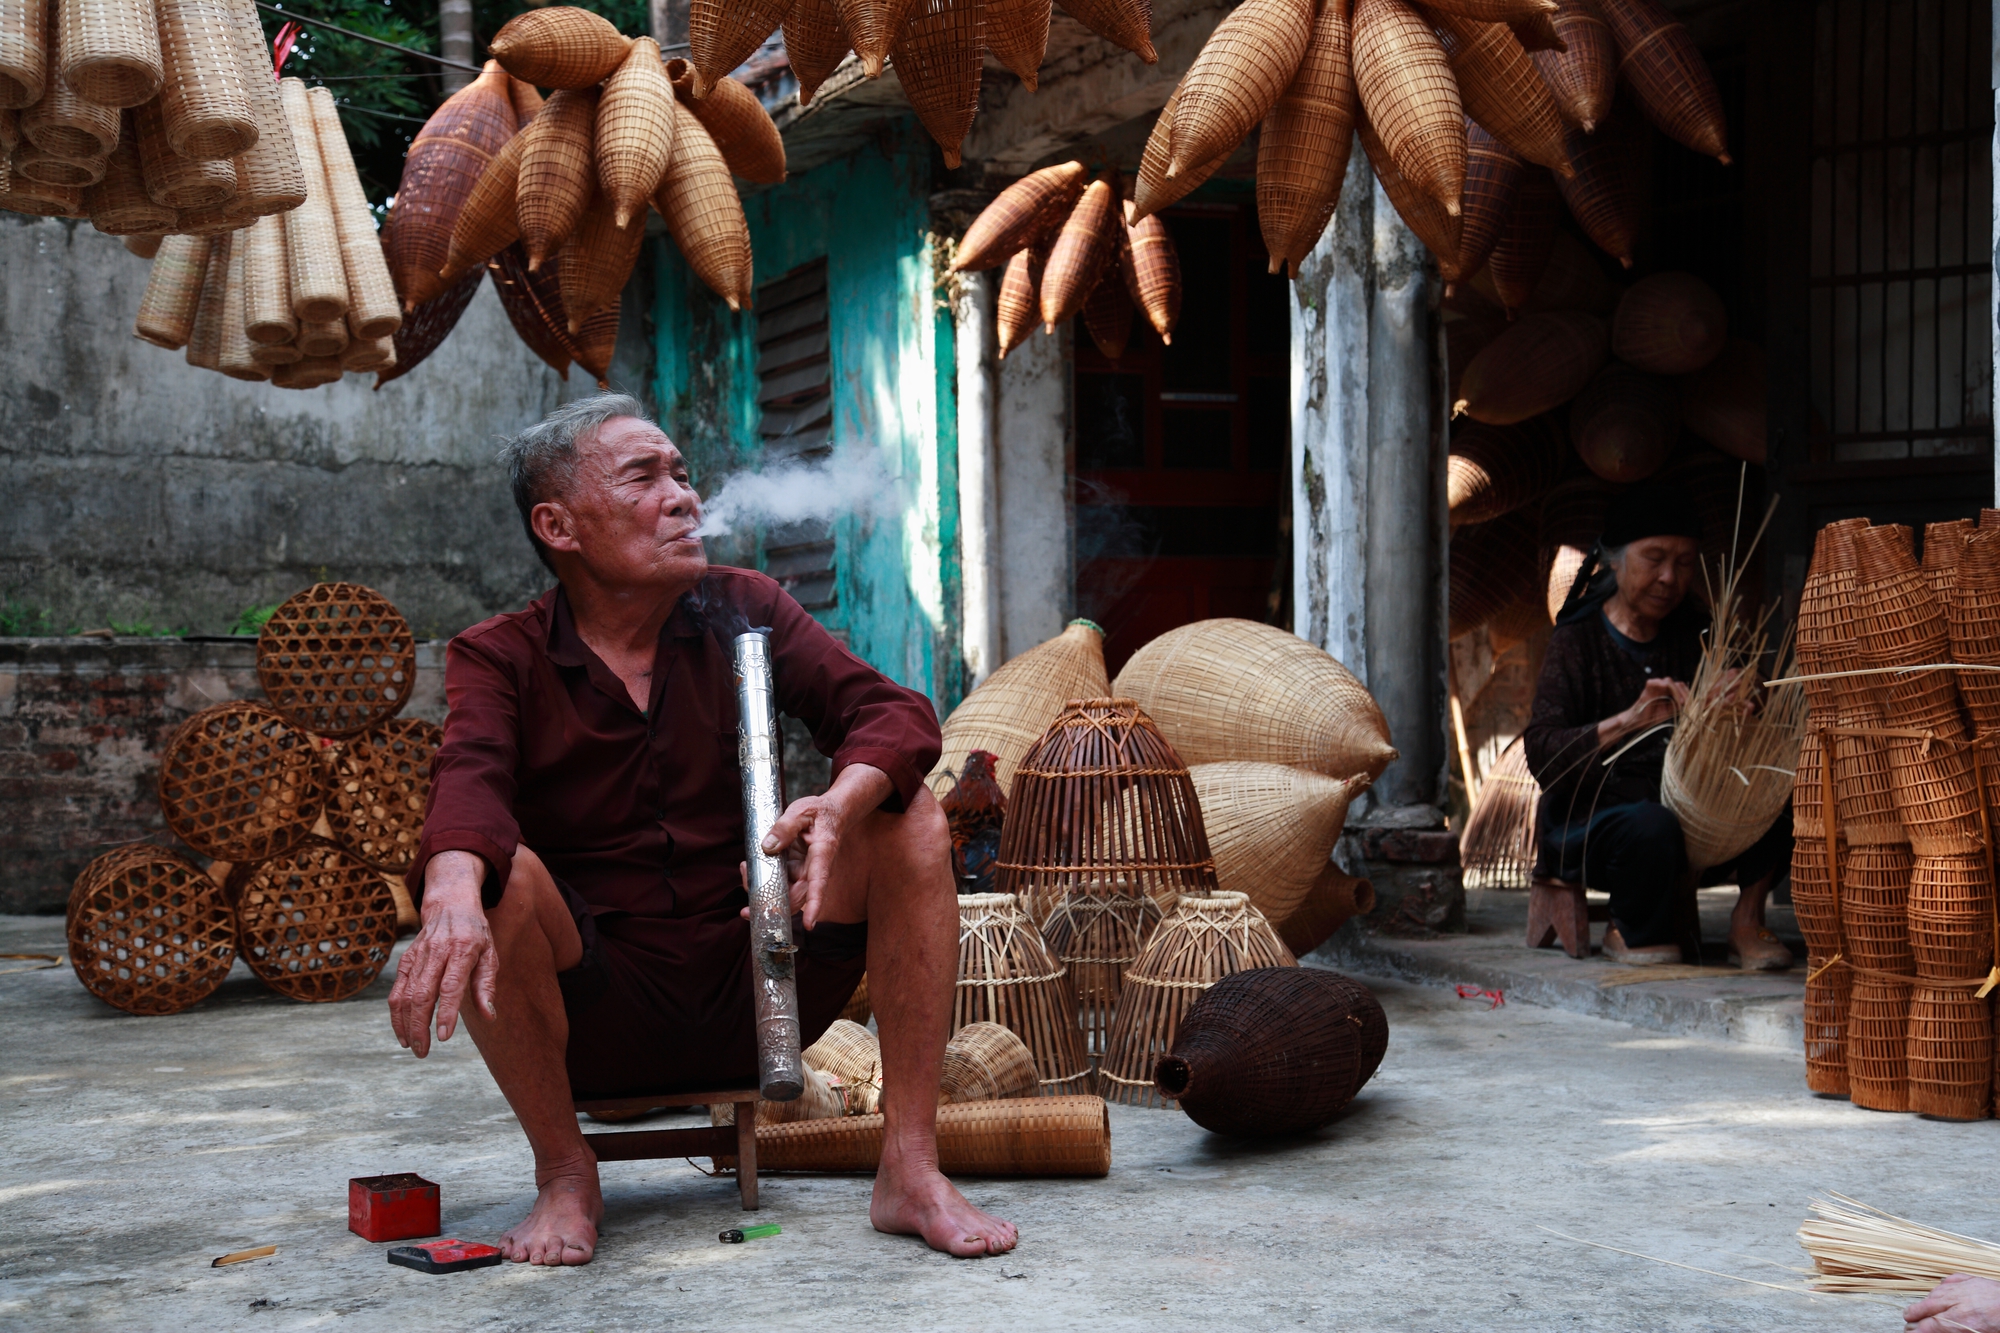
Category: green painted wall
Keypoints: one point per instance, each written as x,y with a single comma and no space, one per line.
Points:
893,390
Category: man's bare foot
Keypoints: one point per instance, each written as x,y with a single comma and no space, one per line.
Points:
562,1226
918,1201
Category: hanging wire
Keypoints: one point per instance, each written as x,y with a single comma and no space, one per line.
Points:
385,115
364,37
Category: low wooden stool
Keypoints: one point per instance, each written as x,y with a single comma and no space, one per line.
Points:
646,1145
1559,911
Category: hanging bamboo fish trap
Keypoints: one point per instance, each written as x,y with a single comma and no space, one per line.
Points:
1670,324
533,303
1126,23
1009,711
872,26
203,100
1007,975
1017,35
560,47
1973,626
425,327
377,785
1492,176
372,308
173,291
1659,60
1274,1050
65,125
1521,251
312,237
1944,545
851,1053
268,317
1492,566
1502,91
204,347
1271,828
31,164
337,659
595,343
1495,470
1539,363
1583,74
1206,938
24,52
314,923
1107,316
1497,848
489,221
1083,252
1495,11
816,41
1411,98
1726,402
444,161
1303,147
1951,1053
722,34
119,204
1016,309
1045,1136
595,264
1152,271
704,214
1607,195
986,1062
1018,216
1155,190
1237,77
1625,422
634,137
1829,989
234,358
557,173
937,56
1874,907
1442,232
743,130
148,931
1334,897
238,783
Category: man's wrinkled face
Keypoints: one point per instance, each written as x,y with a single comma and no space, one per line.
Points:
631,514
1657,573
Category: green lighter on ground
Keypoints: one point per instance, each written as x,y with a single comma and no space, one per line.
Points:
737,1235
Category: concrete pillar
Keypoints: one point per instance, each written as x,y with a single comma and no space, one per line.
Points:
1037,582
978,472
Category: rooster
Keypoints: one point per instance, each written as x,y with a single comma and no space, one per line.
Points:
975,808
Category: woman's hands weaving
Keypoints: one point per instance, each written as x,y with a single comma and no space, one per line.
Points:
1658,702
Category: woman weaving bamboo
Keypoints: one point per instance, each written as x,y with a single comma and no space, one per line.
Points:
1615,674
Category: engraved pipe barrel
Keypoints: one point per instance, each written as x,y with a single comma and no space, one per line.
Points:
780,1072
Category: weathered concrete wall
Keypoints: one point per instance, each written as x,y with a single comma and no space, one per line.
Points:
142,490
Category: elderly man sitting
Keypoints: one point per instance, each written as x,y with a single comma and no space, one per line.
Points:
580,874
1617,667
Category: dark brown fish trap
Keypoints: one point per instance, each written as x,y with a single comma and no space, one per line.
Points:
1083,252
1411,99
239,782
1951,916
1878,1039
1901,621
1874,908
1607,195
1439,228
534,306
1584,75
444,162
337,658
1944,544
1541,362
1809,786
1502,90
1018,216
1275,1050
1107,313
316,924
1950,1053
1829,990
1658,58
1670,324
1007,975
377,785
1974,625
425,328
1016,309
149,931
1492,177
937,57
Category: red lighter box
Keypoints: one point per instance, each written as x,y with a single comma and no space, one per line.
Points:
399,1207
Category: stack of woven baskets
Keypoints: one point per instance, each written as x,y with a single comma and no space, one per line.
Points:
311,806
1893,810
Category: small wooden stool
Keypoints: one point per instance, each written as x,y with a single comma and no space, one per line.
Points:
1559,911
646,1145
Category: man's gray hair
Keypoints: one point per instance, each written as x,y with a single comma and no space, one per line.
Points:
541,460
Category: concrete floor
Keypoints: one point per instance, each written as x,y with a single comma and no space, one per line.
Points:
138,1149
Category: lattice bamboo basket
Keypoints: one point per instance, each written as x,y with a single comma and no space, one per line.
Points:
635,134
1936,794
1974,623
1006,975
1207,938
149,931
1238,76
1659,59
378,784
1441,230
1814,901
1084,251
1950,1053
1011,709
986,1062
444,160
937,55
173,292
1944,546
1809,785
1863,799
1878,1036
1411,98
743,130
704,214
1501,89
240,783
1018,216
337,659
594,266
1826,608
560,47
1900,619
1951,916
816,42
1828,993
1874,908
315,923
1046,1136
1097,931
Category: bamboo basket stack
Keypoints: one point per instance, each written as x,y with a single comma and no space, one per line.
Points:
1892,871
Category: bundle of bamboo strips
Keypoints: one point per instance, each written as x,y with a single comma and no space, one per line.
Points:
1858,1248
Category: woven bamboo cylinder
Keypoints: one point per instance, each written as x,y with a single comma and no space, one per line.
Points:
1502,91
704,214
322,338
315,923
1874,907
1279,1050
32,164
1303,147
937,57
1226,689
738,123
312,239
597,261
1902,623
173,292
1951,1053
1018,216
1495,470
1658,58
204,348
1607,195
1272,828
1051,1136
1206,938
275,354
872,26
1153,272
372,308
1670,324
1011,709
270,177
1126,23
64,125
851,1053
1016,35
1951,916
985,1062
267,291
1572,518
1334,897
1439,230
1878,1037
560,47
1521,251
1726,402
1828,993
149,931
634,136
1006,975
1493,566
364,354
488,223
1017,308
1492,177
1083,253
1107,316
558,174
1539,363
1974,626
1625,422
308,372
110,50
233,358
1155,190
10,130
444,161
238,783
1815,901
24,52
816,42
118,203
1240,73
1411,97
1583,74
203,101
337,659
425,327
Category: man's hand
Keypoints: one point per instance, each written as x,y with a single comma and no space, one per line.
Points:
1657,702
452,952
818,821
1959,1304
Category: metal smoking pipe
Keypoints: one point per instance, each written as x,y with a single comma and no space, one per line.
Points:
773,981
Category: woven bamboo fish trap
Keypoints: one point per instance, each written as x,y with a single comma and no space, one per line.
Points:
1874,908
204,348
270,178
598,260
595,343
308,372
64,125
233,359
851,1053
1492,567
1107,315
1334,897
1902,623
212,221
1878,1041
1539,363
1411,97
1951,916
1492,176
24,52
1234,689
1126,23
722,34
1808,781
1607,195
1303,147
1236,79
1441,232
704,214
1276,1050
1096,930
1495,470
148,931
1583,75
1659,60
1521,252
1828,993
872,26
533,303
32,165
742,129
314,923
937,57
203,101
1154,189
275,354
1016,309
1502,91
1018,216
1951,1053
444,161
1571,520
1625,422
1271,828
118,203
1009,711
1045,1136
1670,324
39,200
364,354
1495,11
173,292
312,237
488,222
322,338
425,327
557,173
337,659
1206,938
1152,272
527,100
985,1062
1828,628
816,42
373,310
377,785
1726,402
1017,35
559,47
1497,847
634,138
239,783
1007,975
1944,544
267,292
1084,251
1974,627
1815,902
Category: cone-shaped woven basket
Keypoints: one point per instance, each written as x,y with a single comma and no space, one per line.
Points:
203,101
1607,195
1239,75
1334,897
1152,272
1583,75
559,47
425,327
704,214
1492,175
635,134
233,358
1828,992
722,34
1658,58
1017,309
1155,190
149,931
851,1053
816,42
315,923
558,173
1126,23
372,308
1828,612
1493,566
204,348
872,25
1625,422
1007,975
489,222
173,292
1014,706
1205,939
312,238
533,302
267,291
937,57
1439,230
119,204
738,123
24,52
1497,847
597,261
1944,544
1669,324
1521,251
110,50
1274,1050
1495,470
1410,98
1727,402
239,783
1019,215
1272,828
1107,315
1974,627
1227,689
1017,35
1951,1053
1503,92
337,659
1303,147
985,1062
1083,252
1050,1136
1539,363
446,157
